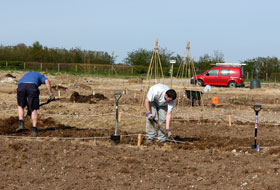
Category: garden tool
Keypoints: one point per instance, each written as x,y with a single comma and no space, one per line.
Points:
257,109
158,126
44,103
116,138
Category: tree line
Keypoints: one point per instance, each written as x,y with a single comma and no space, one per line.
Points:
265,68
38,53
260,67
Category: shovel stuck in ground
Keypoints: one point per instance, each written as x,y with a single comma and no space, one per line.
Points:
116,138
256,108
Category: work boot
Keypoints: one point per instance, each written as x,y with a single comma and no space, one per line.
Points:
34,132
20,126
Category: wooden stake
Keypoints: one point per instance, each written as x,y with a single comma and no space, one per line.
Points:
120,116
135,95
59,93
229,120
171,75
139,140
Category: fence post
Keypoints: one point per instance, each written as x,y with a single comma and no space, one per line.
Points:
247,75
41,66
76,67
23,65
6,63
58,67
266,76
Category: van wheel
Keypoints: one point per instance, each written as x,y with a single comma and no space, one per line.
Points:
200,83
232,84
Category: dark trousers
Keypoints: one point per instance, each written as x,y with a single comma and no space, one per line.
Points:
28,94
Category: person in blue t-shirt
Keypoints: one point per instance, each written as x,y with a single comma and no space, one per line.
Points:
28,94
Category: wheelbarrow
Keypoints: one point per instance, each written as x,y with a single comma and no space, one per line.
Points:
193,96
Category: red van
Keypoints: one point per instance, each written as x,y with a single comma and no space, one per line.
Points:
231,76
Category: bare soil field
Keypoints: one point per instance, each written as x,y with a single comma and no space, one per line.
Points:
74,150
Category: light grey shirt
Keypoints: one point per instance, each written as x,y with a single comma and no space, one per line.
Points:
156,94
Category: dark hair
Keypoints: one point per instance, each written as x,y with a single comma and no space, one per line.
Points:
171,94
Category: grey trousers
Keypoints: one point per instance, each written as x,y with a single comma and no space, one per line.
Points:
151,128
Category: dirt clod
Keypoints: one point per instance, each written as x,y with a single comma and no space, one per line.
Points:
91,99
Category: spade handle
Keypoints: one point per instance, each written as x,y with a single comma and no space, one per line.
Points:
257,108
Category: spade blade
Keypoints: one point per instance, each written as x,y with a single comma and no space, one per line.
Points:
116,139
256,147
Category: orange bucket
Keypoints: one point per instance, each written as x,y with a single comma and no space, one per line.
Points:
215,100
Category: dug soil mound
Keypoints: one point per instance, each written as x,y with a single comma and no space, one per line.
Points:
58,87
90,99
9,75
49,128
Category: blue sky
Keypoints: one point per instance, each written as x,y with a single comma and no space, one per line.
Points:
240,29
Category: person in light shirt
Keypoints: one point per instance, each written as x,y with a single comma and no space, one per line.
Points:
160,101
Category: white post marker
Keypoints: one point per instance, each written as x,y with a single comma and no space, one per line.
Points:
172,61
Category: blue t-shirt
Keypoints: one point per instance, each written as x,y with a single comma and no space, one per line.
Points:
33,77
